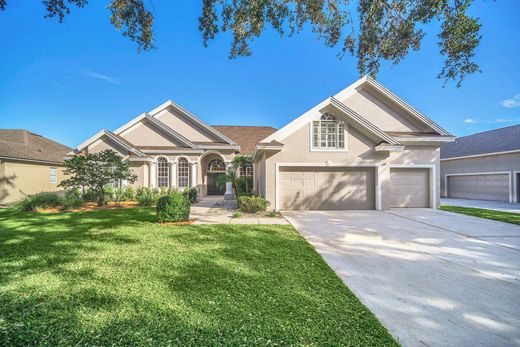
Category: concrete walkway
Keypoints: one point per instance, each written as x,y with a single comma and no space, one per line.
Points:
488,205
433,278
216,210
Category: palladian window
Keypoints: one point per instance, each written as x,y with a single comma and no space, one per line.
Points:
328,133
183,168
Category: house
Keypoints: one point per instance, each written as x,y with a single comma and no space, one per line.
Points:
363,148
483,166
29,163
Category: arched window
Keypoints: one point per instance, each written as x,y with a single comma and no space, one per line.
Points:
183,172
328,133
216,165
163,172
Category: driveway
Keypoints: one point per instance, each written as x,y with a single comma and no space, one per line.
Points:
488,205
433,278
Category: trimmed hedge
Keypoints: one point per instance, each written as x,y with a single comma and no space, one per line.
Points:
173,208
252,204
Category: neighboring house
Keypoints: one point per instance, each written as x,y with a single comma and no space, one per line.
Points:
29,163
363,148
483,166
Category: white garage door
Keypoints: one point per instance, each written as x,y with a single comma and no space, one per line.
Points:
479,187
308,188
410,187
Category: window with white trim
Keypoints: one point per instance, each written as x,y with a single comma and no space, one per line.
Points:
183,172
163,172
246,171
328,133
53,175
216,165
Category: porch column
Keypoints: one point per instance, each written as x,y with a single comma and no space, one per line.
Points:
228,195
193,174
173,174
153,174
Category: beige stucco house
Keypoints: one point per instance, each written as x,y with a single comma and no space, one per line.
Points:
29,163
483,166
363,148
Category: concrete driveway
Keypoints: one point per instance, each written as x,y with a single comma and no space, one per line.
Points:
488,205
433,278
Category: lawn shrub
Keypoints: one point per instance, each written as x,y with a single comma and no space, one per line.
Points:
32,203
244,186
144,196
129,194
191,194
89,195
118,194
72,199
174,207
109,193
252,204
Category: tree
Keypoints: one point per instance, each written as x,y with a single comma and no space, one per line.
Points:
96,171
383,30
232,175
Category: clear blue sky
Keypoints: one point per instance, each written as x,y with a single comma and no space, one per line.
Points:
68,81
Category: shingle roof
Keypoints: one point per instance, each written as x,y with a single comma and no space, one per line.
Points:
247,137
23,144
498,140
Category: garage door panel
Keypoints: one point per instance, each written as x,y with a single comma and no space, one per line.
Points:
410,187
480,187
335,188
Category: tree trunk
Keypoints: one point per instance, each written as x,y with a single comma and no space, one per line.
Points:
101,196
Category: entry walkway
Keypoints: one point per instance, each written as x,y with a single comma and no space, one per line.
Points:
216,210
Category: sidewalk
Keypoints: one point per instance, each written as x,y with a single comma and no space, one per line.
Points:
488,205
216,210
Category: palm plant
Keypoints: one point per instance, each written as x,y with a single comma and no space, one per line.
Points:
232,174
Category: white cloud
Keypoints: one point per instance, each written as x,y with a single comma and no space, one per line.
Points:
99,76
511,102
491,121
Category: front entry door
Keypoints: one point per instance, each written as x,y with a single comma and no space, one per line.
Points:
212,184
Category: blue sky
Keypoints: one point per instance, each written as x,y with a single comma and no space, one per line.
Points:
68,81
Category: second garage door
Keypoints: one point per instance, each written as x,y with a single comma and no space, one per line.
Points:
480,187
317,188
410,187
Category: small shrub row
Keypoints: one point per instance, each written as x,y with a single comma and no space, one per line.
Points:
252,204
32,203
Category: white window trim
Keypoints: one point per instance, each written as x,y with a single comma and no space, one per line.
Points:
508,173
189,172
433,176
377,166
168,165
345,137
516,184
51,168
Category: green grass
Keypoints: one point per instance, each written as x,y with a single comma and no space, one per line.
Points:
114,277
507,217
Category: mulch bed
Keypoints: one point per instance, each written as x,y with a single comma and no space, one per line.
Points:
92,206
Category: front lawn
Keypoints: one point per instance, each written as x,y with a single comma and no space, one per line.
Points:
114,277
507,217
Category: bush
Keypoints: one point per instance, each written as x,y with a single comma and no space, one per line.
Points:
144,196
109,194
129,194
32,203
118,194
252,204
241,183
173,208
89,195
191,194
72,199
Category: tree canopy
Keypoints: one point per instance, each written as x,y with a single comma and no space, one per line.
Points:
370,30
96,171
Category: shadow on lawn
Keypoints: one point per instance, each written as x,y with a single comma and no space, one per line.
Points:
117,280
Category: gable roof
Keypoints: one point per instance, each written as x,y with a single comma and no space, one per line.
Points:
114,137
305,118
247,137
492,141
23,144
191,117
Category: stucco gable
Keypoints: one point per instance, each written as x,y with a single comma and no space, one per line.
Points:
145,133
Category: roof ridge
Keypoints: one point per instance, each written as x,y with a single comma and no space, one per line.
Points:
489,131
